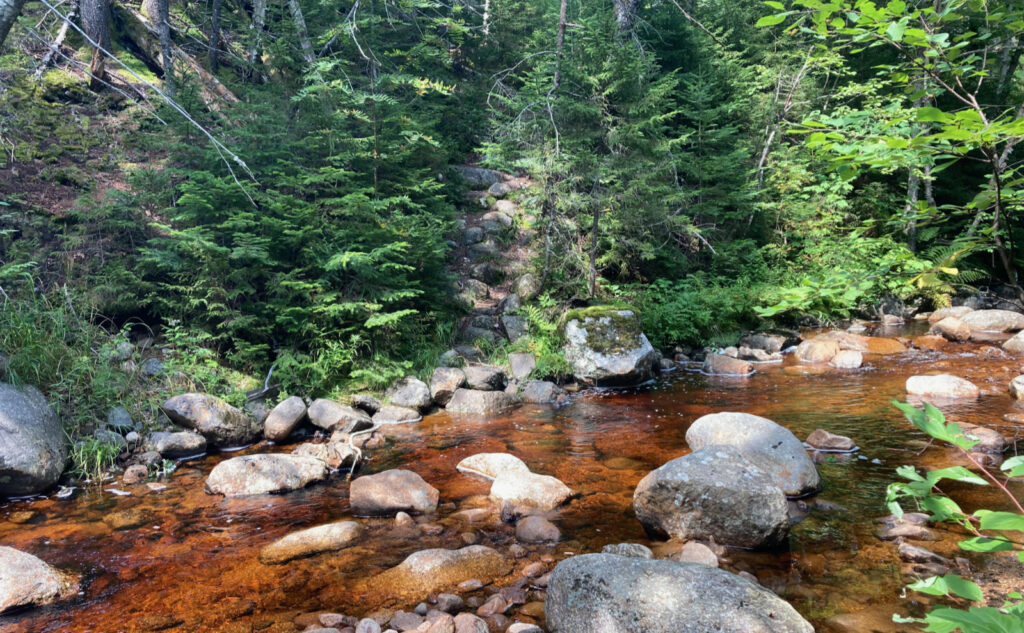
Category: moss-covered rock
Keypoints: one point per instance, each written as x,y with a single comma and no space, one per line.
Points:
605,346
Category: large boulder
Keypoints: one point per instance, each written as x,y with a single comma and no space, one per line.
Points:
1015,344
521,365
283,419
27,581
176,445
315,540
952,329
722,365
33,447
264,473
409,392
220,423
444,382
330,415
994,320
541,392
605,346
435,570
942,386
396,415
767,445
604,593
714,493
473,402
957,312
817,351
485,377
492,465
391,492
478,176
521,492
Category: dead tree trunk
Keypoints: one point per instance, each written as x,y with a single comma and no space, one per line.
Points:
57,41
300,29
259,20
215,33
96,24
163,28
625,15
9,12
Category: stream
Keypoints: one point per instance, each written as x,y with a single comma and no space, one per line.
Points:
179,559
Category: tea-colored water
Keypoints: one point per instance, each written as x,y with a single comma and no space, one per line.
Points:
187,561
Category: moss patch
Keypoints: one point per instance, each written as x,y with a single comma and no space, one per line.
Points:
609,331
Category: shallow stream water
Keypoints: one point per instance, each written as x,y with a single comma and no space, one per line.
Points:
182,560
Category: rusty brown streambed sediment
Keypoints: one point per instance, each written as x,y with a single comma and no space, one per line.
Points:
183,560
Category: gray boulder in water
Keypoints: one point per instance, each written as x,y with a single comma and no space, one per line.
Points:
714,493
27,581
220,423
604,593
33,447
769,446
605,346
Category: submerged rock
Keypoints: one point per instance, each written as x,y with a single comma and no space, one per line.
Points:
537,529
713,493
473,402
630,550
264,473
942,386
437,570
315,540
606,346
847,359
603,593
220,423
33,447
283,419
27,581
390,492
769,446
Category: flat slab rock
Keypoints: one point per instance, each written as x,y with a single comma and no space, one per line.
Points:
603,593
391,492
994,320
769,446
330,415
28,581
437,570
315,540
264,473
392,414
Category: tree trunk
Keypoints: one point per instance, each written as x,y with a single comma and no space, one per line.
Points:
57,41
910,209
592,281
300,29
625,15
9,12
96,24
259,20
215,33
163,27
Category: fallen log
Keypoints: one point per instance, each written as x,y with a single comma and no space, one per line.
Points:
145,39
